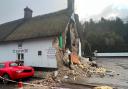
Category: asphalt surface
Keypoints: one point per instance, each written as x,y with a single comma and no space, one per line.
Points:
117,78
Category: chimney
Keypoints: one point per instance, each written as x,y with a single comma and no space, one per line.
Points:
71,5
27,13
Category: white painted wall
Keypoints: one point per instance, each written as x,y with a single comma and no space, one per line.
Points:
6,52
30,49
80,48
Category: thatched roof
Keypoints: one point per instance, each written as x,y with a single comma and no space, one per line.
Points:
36,27
8,28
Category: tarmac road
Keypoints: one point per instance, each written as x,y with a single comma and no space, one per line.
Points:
119,66
119,75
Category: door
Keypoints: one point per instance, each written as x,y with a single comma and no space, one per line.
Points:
20,57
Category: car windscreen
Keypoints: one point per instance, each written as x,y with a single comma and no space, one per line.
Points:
2,65
13,64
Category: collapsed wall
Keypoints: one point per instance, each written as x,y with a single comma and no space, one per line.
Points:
70,64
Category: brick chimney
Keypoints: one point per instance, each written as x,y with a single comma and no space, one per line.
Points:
27,13
71,5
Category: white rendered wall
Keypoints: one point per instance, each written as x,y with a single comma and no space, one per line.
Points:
6,52
79,47
30,49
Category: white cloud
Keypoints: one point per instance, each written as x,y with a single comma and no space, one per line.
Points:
101,8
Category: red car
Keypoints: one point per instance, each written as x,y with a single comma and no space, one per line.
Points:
11,70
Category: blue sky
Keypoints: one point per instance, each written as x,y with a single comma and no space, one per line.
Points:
13,9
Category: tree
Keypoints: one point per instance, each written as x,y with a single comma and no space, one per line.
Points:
105,35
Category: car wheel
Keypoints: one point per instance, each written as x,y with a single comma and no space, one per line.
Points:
6,76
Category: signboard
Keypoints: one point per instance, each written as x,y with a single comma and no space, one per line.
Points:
20,50
51,53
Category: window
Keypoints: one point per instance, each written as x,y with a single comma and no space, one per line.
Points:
20,44
13,64
1,65
39,53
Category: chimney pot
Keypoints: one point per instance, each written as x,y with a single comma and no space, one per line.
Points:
27,13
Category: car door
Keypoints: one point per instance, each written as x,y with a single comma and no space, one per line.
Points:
2,68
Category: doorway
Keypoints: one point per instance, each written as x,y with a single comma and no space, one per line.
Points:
20,57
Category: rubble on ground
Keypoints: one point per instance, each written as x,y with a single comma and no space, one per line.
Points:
47,81
82,68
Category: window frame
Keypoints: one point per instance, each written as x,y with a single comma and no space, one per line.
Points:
39,53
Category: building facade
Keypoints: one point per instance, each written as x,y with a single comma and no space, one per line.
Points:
35,40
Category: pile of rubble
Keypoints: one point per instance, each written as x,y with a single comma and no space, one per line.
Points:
47,81
78,69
